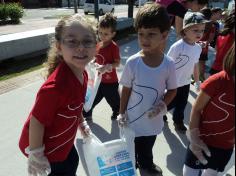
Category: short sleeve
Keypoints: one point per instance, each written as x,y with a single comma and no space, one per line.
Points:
211,85
172,52
127,76
116,52
171,81
46,105
198,54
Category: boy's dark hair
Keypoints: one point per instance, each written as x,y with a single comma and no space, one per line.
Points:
206,12
108,21
229,24
153,15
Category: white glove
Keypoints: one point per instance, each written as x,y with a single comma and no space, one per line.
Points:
122,120
85,129
157,110
197,85
38,164
197,146
104,68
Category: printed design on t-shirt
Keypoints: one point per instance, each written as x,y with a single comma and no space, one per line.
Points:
100,59
141,90
181,61
223,118
64,131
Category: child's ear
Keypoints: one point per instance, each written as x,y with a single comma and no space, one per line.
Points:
114,34
165,35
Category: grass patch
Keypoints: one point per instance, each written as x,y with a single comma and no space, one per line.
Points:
15,67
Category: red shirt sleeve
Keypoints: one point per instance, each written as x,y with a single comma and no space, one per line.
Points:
116,52
211,86
46,105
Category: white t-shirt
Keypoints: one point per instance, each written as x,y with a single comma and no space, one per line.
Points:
185,57
148,87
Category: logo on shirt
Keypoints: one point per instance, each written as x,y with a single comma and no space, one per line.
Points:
181,61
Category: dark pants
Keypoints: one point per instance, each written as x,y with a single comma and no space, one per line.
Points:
67,167
179,103
111,94
143,150
177,9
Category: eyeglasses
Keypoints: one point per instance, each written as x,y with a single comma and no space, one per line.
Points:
73,43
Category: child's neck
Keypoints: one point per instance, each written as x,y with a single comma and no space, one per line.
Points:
78,73
152,59
188,41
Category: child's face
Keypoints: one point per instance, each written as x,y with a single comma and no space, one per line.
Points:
105,34
151,39
78,46
194,33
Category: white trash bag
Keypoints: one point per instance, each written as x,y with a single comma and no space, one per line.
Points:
113,158
94,81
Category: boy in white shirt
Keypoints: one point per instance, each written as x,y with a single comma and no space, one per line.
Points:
145,78
186,53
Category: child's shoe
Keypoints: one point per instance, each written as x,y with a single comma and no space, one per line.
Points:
154,169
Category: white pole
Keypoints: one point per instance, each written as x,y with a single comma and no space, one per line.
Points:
139,3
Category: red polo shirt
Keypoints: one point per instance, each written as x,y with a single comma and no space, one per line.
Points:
218,117
58,107
108,55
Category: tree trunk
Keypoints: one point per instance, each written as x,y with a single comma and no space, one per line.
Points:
2,1
130,8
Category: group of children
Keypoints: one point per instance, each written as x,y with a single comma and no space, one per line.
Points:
152,83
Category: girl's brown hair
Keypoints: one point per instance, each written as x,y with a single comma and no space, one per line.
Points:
229,24
54,58
229,61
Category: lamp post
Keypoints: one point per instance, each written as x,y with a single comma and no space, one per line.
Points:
130,8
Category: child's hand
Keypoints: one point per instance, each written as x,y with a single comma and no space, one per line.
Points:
122,120
157,110
104,68
85,129
197,85
38,164
197,146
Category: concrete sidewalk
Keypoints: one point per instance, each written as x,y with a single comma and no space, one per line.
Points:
169,150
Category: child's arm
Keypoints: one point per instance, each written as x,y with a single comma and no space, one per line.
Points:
196,77
116,63
197,146
124,99
125,95
169,96
37,161
36,133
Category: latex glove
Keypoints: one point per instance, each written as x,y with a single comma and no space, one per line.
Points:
197,146
197,85
104,68
157,110
122,120
85,129
38,164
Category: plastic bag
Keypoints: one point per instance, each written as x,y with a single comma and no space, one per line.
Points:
113,158
94,81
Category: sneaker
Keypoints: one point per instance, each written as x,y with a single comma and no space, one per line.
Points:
165,118
154,169
180,127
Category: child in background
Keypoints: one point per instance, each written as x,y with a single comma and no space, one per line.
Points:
215,18
146,77
186,53
224,41
177,10
212,124
207,38
48,135
108,58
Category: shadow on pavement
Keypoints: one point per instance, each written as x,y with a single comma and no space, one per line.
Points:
175,160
